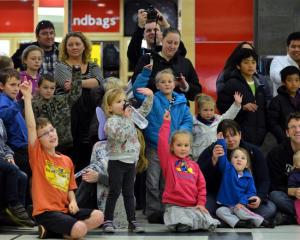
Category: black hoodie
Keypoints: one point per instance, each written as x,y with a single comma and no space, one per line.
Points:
279,109
178,64
280,161
253,124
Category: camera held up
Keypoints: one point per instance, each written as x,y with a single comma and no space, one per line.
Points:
152,13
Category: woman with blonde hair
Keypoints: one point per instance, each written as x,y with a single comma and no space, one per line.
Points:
75,50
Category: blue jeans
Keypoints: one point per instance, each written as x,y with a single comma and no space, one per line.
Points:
266,209
15,183
283,202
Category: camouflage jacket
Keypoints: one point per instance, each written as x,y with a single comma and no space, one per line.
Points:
58,111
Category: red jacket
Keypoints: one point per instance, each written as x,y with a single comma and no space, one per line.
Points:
184,181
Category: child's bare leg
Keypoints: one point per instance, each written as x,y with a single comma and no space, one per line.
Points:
79,230
95,220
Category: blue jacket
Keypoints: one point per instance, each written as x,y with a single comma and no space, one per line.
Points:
233,189
181,117
10,113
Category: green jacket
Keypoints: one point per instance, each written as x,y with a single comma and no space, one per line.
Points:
58,110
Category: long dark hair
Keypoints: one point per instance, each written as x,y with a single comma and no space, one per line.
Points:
230,60
230,63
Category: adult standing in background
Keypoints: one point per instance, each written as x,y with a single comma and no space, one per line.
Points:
150,30
45,35
187,81
75,50
291,59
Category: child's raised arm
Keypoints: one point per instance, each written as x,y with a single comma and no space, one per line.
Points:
26,88
163,140
218,150
141,81
222,158
146,107
238,98
235,107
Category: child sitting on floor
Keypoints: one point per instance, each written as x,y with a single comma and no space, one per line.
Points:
185,190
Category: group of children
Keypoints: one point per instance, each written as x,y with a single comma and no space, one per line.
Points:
171,136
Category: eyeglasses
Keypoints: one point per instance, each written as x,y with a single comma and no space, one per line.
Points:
47,134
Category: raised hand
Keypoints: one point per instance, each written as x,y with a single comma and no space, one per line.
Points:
26,88
218,151
145,91
142,18
162,21
238,98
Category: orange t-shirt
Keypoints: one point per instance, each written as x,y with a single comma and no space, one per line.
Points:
52,179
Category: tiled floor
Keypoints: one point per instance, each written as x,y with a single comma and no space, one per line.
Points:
158,232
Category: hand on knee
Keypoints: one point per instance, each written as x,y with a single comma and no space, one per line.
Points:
79,230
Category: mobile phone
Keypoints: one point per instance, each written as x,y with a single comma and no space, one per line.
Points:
251,200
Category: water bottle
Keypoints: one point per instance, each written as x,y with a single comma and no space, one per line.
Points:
136,117
92,166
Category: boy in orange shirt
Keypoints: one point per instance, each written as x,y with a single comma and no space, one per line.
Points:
54,204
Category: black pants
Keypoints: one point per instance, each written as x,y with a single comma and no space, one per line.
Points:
120,177
62,223
140,190
81,155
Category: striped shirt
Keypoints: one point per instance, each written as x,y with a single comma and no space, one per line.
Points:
63,72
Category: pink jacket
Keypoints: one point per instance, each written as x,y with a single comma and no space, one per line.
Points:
184,182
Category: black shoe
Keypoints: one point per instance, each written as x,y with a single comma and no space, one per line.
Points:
268,224
19,215
42,232
156,217
29,210
223,224
244,224
182,228
284,219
